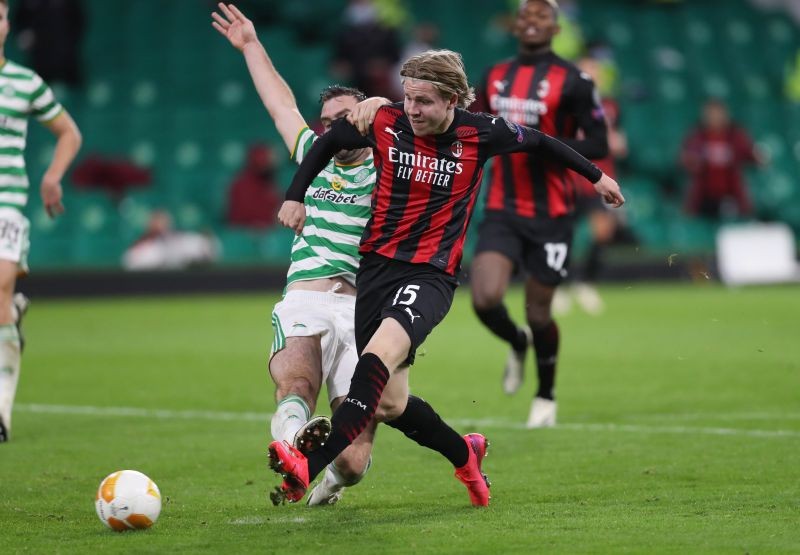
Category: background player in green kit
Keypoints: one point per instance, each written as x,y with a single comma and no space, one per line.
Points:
313,324
23,94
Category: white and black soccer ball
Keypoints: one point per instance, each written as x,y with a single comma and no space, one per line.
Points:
128,500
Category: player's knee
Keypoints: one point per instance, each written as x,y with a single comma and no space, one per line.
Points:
485,298
538,316
389,409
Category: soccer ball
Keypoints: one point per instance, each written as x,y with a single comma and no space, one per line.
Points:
128,500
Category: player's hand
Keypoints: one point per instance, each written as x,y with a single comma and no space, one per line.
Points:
234,26
292,215
609,190
51,196
363,113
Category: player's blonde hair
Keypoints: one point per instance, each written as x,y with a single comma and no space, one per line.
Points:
444,69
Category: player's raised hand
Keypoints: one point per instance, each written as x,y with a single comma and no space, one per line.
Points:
51,196
234,26
609,190
292,215
363,113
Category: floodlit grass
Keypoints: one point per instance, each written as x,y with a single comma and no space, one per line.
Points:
679,413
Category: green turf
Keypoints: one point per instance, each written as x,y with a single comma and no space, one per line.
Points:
679,433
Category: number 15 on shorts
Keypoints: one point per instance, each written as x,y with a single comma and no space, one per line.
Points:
406,295
409,292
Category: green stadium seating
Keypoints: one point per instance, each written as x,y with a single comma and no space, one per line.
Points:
164,90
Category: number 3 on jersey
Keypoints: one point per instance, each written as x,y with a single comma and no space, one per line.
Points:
556,255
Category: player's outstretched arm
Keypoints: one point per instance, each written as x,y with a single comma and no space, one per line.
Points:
506,137
68,142
273,90
363,113
342,135
562,153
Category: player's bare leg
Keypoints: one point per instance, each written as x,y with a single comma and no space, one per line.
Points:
348,469
490,275
418,421
297,373
538,300
9,347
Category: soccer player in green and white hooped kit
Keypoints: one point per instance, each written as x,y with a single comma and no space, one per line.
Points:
23,94
314,337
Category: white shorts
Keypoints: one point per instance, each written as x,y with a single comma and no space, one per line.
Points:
332,317
15,237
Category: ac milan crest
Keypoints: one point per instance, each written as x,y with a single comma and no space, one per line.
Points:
543,89
457,148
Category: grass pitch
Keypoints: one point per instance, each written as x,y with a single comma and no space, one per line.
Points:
679,432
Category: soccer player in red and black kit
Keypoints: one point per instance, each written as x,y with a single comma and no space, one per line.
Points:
529,222
429,154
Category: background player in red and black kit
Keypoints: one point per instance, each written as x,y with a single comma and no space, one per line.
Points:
429,155
605,225
529,204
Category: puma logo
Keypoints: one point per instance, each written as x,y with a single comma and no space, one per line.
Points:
393,132
412,315
500,86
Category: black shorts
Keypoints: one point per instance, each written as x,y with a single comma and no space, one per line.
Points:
418,296
539,246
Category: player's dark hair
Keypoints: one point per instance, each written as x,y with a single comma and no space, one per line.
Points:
335,91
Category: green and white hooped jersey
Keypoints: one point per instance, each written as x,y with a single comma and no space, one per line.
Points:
22,94
338,205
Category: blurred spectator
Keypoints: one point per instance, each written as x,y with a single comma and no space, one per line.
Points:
366,50
253,199
51,33
792,7
115,175
163,248
714,154
424,37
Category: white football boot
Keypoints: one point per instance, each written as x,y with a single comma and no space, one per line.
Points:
588,298
514,371
327,492
543,413
562,302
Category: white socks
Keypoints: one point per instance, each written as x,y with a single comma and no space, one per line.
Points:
291,414
9,371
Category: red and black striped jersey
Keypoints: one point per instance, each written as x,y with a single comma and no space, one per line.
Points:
426,186
549,94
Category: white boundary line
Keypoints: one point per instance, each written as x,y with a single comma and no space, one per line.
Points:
167,414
